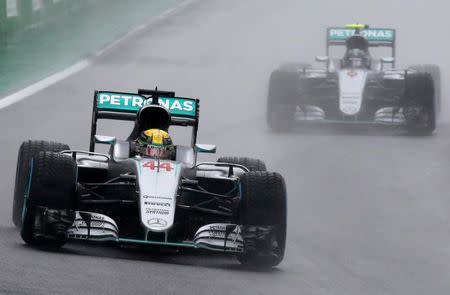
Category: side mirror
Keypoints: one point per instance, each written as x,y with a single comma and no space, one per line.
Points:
322,58
105,139
205,148
387,60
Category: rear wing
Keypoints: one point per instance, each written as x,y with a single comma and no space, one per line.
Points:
377,37
124,106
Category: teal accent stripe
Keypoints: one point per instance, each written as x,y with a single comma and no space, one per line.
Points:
27,192
142,242
177,169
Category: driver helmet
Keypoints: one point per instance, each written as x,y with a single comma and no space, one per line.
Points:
356,58
155,143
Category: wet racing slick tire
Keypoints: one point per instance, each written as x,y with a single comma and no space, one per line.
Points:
419,104
28,150
50,200
282,100
250,163
435,72
262,214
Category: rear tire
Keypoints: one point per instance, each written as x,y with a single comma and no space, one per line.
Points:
51,184
250,163
419,104
27,151
262,214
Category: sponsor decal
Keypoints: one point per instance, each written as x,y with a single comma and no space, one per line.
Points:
157,204
133,102
157,222
341,34
156,197
156,211
152,165
348,109
352,74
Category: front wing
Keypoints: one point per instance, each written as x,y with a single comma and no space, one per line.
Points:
219,237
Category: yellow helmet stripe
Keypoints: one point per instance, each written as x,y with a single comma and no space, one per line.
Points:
157,136
356,26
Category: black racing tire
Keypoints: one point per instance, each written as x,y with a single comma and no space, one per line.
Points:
27,151
419,104
251,163
263,205
282,100
51,184
435,72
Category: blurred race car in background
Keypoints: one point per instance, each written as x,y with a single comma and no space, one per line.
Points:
233,205
357,88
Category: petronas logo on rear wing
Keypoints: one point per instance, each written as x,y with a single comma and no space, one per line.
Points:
131,103
374,35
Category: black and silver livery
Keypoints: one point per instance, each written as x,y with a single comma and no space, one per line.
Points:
233,205
357,88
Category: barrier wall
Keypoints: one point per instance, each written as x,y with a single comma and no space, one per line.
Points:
16,15
41,37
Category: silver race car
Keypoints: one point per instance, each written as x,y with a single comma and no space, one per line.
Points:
130,197
357,88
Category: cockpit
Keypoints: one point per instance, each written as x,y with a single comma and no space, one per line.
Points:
357,53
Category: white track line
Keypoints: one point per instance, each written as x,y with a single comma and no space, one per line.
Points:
41,85
81,65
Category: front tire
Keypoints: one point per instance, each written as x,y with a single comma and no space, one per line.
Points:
435,72
28,150
50,199
419,107
262,214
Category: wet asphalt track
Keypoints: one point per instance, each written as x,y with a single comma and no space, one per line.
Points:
368,213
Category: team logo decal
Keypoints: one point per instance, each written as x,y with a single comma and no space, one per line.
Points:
157,222
352,74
